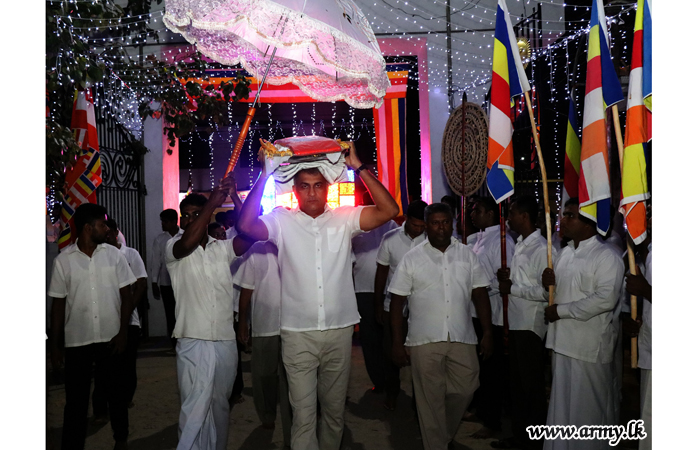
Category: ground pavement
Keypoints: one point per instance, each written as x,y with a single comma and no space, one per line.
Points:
154,416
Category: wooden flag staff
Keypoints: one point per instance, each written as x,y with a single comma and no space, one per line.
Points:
545,191
630,250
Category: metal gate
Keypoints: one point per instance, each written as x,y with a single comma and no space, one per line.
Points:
122,190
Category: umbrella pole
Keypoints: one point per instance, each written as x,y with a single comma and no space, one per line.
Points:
545,191
248,119
464,182
630,251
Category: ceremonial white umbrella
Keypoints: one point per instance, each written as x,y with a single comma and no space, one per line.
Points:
325,47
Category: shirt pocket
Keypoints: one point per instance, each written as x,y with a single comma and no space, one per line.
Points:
335,236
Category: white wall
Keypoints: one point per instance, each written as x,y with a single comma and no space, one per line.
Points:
153,168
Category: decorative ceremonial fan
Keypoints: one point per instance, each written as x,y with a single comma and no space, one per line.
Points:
468,121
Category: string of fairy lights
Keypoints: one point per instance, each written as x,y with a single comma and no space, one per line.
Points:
471,54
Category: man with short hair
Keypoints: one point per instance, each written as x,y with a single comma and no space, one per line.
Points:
319,310
440,279
522,283
392,249
92,303
160,278
216,230
260,301
489,397
581,329
199,267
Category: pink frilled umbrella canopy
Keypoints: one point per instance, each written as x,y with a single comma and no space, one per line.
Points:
325,47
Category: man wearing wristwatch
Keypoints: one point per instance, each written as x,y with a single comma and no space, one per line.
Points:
318,307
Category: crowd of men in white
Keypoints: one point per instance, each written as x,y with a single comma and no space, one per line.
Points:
302,279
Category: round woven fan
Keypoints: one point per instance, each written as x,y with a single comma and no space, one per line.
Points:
476,140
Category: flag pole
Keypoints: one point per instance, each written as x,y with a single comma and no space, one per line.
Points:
504,265
545,191
630,250
463,218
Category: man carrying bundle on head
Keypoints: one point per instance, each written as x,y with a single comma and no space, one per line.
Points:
318,309
587,277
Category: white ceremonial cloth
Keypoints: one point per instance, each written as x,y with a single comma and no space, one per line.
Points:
488,249
90,286
395,244
590,403
644,341
439,290
260,272
331,166
157,267
588,280
203,289
206,371
315,266
139,269
365,248
525,302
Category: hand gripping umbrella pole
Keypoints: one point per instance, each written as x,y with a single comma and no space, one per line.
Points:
248,119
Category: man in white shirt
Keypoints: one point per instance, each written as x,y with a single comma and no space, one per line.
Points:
259,309
392,249
319,310
522,282
160,279
440,278
138,290
581,329
640,286
199,267
364,248
92,304
489,398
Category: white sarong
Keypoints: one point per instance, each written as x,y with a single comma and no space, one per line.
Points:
583,393
206,371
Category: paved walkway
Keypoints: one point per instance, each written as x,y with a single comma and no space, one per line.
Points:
153,419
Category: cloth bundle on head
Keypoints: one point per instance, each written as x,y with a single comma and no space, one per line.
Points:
286,157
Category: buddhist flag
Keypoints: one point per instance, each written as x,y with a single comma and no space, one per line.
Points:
572,159
602,91
638,129
508,81
83,178
390,131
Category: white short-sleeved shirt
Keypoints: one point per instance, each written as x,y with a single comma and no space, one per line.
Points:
203,289
260,272
157,268
139,270
231,233
394,246
365,247
588,280
315,267
525,302
488,248
90,286
439,290
644,344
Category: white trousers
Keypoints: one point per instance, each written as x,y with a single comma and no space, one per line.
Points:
582,394
206,371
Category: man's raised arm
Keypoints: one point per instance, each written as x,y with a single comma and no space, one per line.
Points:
249,222
384,208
